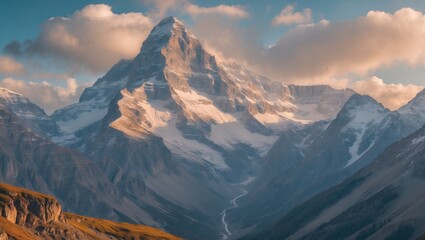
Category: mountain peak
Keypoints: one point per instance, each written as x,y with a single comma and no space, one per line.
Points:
7,94
362,108
170,19
167,26
358,101
415,104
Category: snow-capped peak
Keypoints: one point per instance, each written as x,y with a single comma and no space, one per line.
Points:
29,113
414,111
417,103
167,26
360,114
176,90
10,96
362,106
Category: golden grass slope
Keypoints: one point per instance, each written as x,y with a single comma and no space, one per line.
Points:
31,222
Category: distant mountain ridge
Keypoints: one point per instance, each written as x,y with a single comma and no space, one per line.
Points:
31,114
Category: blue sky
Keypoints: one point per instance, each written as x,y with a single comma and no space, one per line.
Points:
22,20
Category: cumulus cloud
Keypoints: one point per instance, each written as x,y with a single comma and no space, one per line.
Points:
376,40
10,66
93,37
44,94
163,7
311,53
288,17
230,11
392,96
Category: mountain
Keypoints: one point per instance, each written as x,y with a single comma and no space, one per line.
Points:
31,215
384,200
180,88
30,114
28,160
177,131
414,111
308,160
202,148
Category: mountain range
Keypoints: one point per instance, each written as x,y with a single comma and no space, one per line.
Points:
384,200
207,149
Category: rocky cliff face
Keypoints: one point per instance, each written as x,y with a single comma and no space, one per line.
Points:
28,208
30,215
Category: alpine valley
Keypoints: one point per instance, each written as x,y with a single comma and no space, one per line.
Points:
206,149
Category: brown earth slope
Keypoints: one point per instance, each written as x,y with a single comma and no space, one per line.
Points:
25,214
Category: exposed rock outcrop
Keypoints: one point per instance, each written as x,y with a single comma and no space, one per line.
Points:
29,208
30,215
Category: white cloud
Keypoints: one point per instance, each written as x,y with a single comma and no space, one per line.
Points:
325,50
44,94
288,17
358,46
226,10
163,7
10,66
392,96
93,37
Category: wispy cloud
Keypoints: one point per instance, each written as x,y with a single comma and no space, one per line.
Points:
164,7
288,17
10,66
230,11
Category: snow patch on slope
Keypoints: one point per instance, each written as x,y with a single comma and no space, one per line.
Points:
418,140
229,134
366,116
203,107
11,96
188,148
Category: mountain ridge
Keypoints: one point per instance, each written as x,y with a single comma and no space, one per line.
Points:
387,184
310,160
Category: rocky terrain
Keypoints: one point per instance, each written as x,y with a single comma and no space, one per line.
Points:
29,215
309,160
384,200
176,116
